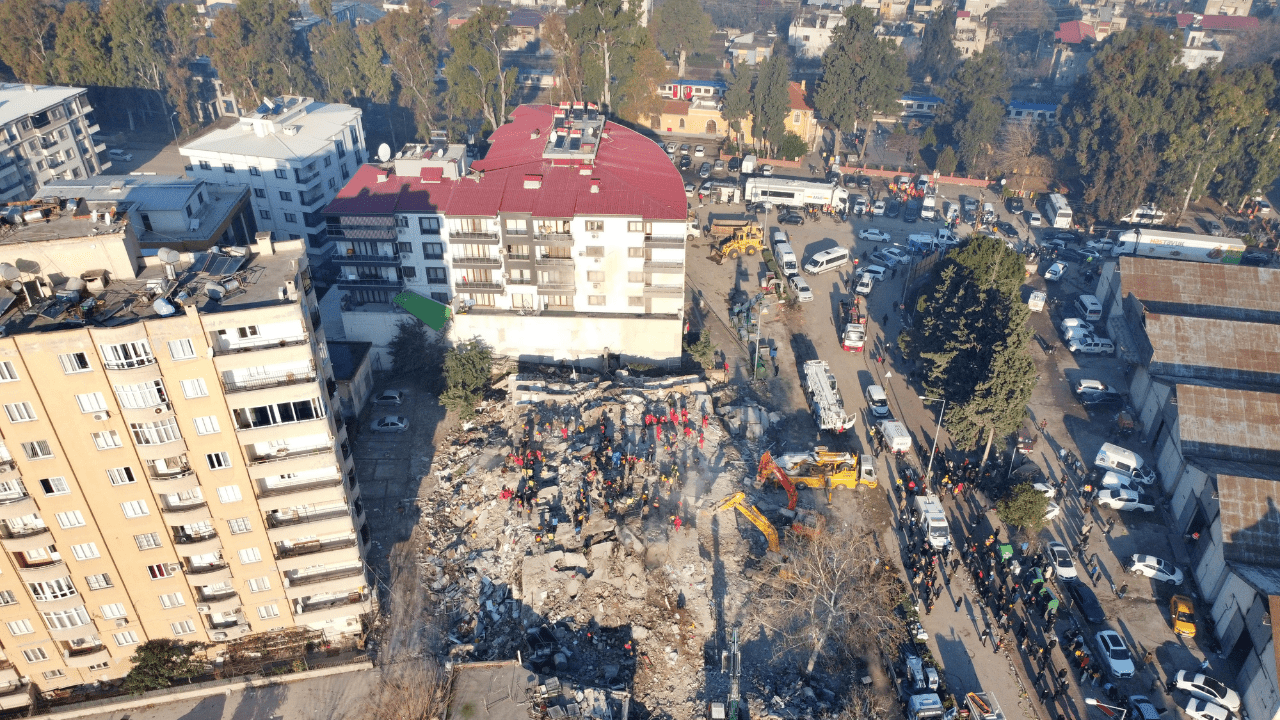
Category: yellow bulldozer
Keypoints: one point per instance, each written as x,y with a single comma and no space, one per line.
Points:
747,240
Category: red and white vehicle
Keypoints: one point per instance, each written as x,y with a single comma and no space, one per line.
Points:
855,324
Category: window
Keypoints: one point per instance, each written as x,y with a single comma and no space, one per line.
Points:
260,193
74,363
20,627
634,226
635,277
37,450
279,413
595,300
328,162
147,541
135,508
333,184
635,252
342,148
595,276
53,674
106,440
239,525
121,476
264,214
7,598
66,619
155,433
99,582
142,395
20,412
595,225
261,584
182,349
290,217
204,165
128,637
595,251
85,551
255,172
436,276
409,271
172,600
70,519
218,460
250,555
7,373
91,402
282,173
35,655
195,388
429,226
158,571
286,196
182,627
123,356
207,425
795,118
52,590
267,612
113,611
442,298
55,486
229,494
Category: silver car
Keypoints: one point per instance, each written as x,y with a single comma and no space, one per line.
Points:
390,424
389,397
801,288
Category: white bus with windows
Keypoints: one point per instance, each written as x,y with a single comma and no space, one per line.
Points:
795,193
1057,211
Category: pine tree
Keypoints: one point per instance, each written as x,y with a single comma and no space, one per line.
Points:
862,75
682,27
771,101
974,105
157,663
938,55
478,80
737,99
405,37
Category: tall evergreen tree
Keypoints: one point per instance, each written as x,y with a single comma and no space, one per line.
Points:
974,105
334,53
478,80
412,56
682,27
771,101
938,55
600,27
641,70
82,51
737,99
256,51
862,74
29,39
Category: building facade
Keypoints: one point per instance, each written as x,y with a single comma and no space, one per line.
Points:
812,29
565,241
47,135
170,466
294,155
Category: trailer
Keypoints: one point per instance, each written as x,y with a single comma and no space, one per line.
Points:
854,317
722,228
1145,242
795,192
824,397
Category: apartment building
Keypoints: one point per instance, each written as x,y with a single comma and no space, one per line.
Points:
170,466
812,29
566,240
45,134
294,155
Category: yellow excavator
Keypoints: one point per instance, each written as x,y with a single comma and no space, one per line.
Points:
808,524
817,470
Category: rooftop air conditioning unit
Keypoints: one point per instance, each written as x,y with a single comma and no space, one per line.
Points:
219,636
101,415
203,609
122,622
173,567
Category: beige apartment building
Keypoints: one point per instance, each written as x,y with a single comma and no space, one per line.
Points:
171,465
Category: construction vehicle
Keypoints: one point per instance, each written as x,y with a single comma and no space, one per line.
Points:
824,398
983,706
854,317
693,226
817,470
917,683
731,664
743,241
724,228
808,524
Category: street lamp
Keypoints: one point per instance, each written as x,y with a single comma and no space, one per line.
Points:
1110,710
933,450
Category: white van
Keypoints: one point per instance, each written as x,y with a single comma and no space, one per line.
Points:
1089,307
785,256
1114,457
877,401
832,259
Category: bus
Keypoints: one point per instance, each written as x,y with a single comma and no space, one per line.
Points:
1056,211
794,192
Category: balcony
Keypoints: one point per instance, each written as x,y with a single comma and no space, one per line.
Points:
43,572
549,261
340,580
292,460
211,574
277,520
232,631
15,696
556,288
353,604
129,364
370,283
7,466
221,602
305,175
663,266
361,232
53,604
301,487
344,258
477,262
519,256
262,344
188,545
71,633
485,238
474,286
285,431
553,239
24,538
17,505
86,657
306,200
262,382
178,482
520,281
186,514
316,552
663,291
664,242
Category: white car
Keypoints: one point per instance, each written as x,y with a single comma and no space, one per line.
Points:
671,148
690,189
1206,688
1055,271
801,288
1062,562
1114,480
859,205
865,283
1144,475
1034,219
766,170
896,256
1155,568
1199,709
389,397
116,154
1087,384
877,208
1117,499
1052,511
877,401
1045,489
699,151
874,235
705,188
875,271
390,424
1103,246
1069,324
1112,649
1090,344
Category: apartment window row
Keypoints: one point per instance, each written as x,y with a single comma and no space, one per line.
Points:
52,589
280,413
142,395
123,356
155,433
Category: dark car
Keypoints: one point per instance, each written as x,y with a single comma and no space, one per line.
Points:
1083,599
1006,229
1260,258
735,164
833,177
969,217
912,213
1070,236
893,209
1015,205
864,181
791,219
1098,400
849,181
685,162
1070,255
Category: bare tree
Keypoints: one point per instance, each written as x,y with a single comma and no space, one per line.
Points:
1019,151
413,689
865,703
835,594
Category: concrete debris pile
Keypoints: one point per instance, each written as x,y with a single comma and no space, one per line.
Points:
554,531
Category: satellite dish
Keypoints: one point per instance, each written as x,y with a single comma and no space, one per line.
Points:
30,267
168,255
384,152
8,272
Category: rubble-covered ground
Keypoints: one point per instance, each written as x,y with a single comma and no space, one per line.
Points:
548,531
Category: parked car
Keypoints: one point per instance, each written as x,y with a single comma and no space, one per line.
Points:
117,154
1119,481
859,204
389,397
1055,271
1034,219
704,170
735,164
1090,344
1006,229
390,424
1257,257
1074,326
1199,709
671,148
1211,226
718,167
699,151
766,170
790,218
1088,384
912,213
874,271
1095,400
893,209
865,283
1118,499
849,181
1069,236
877,401
690,189
705,187
878,208
1085,601
1111,647
1155,568
685,162
864,181
1015,205
1206,688
1102,245
874,235
801,288
1062,562
896,256
1183,615
969,203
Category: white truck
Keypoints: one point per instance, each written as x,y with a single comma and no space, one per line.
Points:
933,520
1145,242
824,397
794,192
749,164
895,436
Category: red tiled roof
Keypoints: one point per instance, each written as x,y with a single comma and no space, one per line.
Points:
675,107
1218,22
634,177
799,97
1074,32
962,14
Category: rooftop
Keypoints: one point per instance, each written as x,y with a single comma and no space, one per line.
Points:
17,101
1074,32
1227,292
346,357
628,176
56,219
156,193
1230,424
291,128
1206,348
1218,22
1250,519
799,96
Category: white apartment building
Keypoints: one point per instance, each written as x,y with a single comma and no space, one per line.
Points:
294,155
567,239
812,28
45,134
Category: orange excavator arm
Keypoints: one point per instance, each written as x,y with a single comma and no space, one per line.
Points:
769,468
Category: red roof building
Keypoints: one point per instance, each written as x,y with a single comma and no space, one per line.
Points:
1074,32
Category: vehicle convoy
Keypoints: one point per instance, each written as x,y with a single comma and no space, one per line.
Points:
933,520
917,682
744,241
794,192
1145,242
824,397
854,317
